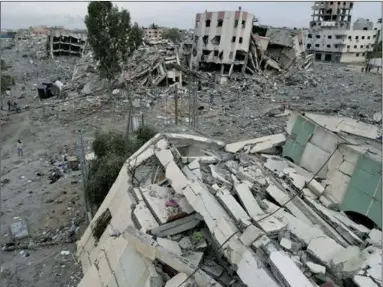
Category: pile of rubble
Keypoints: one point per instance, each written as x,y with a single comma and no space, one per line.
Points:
278,49
186,210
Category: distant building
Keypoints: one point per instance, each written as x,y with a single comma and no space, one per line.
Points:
40,30
331,37
64,43
222,38
153,34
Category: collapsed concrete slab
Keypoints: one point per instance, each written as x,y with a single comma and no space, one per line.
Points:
177,226
287,272
259,145
152,250
324,249
200,198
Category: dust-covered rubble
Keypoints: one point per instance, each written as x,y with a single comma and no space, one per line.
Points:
235,220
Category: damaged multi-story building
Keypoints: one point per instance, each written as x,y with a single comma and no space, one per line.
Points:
283,45
65,43
222,39
232,41
153,34
331,36
186,210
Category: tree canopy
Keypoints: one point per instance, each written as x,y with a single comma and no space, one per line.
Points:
172,34
111,36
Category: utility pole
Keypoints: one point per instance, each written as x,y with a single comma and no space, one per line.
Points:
130,106
176,105
195,107
84,172
189,106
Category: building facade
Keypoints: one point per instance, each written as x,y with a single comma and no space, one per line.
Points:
40,30
331,37
332,14
153,34
63,43
222,38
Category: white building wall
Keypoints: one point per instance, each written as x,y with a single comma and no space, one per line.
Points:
226,32
354,44
153,34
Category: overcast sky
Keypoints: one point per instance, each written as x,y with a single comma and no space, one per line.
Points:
169,14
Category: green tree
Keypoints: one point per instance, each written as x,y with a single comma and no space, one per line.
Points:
135,37
109,35
6,80
172,34
112,150
377,51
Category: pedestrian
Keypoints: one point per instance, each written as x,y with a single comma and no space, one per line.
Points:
19,148
9,105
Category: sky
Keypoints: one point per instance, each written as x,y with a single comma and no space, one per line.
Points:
71,15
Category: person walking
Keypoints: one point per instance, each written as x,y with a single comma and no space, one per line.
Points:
9,105
19,148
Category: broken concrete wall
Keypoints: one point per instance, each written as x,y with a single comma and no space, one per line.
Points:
311,145
222,196
111,268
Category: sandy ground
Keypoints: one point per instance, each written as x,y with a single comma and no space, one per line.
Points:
48,209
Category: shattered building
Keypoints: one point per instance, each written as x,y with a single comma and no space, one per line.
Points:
186,210
283,45
353,173
160,65
331,37
233,42
64,43
222,38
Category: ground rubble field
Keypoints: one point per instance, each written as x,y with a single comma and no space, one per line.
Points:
247,107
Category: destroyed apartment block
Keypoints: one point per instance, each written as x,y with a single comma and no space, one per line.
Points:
186,208
229,41
156,68
63,43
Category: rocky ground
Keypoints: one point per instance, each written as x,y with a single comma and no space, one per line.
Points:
245,108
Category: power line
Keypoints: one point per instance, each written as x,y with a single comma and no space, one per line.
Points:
270,214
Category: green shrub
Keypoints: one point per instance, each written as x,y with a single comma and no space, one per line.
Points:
112,150
145,133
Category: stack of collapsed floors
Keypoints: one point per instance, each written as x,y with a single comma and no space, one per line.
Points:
191,210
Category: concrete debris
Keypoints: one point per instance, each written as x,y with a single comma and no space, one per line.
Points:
375,237
259,145
180,280
177,226
171,246
364,281
324,249
287,273
224,222
19,230
316,268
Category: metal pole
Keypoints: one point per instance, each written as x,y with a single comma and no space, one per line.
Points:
176,105
84,176
129,115
189,106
